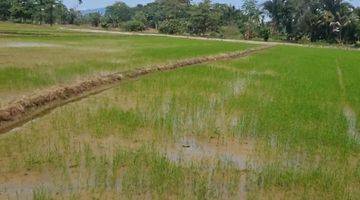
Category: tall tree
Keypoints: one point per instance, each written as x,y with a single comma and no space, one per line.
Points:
154,15
203,19
251,23
118,13
174,8
282,14
5,6
21,10
74,16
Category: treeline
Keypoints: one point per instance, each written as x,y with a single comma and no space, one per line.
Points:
333,21
38,12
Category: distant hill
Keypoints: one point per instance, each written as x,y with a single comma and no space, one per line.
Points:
99,10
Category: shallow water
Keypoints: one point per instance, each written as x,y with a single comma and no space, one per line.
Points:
191,150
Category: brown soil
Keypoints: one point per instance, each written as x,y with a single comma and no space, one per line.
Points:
28,108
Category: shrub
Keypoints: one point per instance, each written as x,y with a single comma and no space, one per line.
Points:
172,26
93,19
357,44
104,23
134,25
304,40
265,33
230,31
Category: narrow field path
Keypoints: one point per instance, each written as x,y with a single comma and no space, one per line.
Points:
28,108
348,112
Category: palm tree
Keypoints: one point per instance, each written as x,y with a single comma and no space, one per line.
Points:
340,16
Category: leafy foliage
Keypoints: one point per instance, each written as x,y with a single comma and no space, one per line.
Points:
135,25
173,26
265,33
117,14
203,19
294,20
93,18
331,21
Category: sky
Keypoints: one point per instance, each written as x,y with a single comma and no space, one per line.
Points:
91,4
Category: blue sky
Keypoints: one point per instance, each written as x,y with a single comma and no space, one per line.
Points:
91,4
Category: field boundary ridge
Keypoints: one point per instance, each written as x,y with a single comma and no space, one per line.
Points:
21,111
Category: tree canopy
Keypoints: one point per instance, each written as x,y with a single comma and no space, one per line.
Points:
333,21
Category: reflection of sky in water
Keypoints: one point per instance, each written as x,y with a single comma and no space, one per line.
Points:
190,150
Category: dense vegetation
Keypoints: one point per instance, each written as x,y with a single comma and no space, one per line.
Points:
334,21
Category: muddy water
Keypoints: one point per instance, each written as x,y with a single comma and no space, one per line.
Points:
190,150
22,185
185,150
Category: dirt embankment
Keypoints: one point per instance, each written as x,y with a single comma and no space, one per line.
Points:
28,108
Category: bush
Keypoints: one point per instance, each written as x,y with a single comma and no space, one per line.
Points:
357,44
134,25
104,23
265,33
304,40
232,32
93,19
172,26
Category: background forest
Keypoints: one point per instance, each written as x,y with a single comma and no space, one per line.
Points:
331,21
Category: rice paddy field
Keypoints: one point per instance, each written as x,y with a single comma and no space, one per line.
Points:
281,123
34,58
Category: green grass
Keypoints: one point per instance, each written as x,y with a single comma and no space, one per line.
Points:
73,56
282,109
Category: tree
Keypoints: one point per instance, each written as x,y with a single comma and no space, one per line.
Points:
265,33
118,13
74,16
174,9
349,22
49,9
173,26
282,14
329,20
5,6
251,21
153,14
61,13
228,15
93,19
135,25
315,20
203,19
20,10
